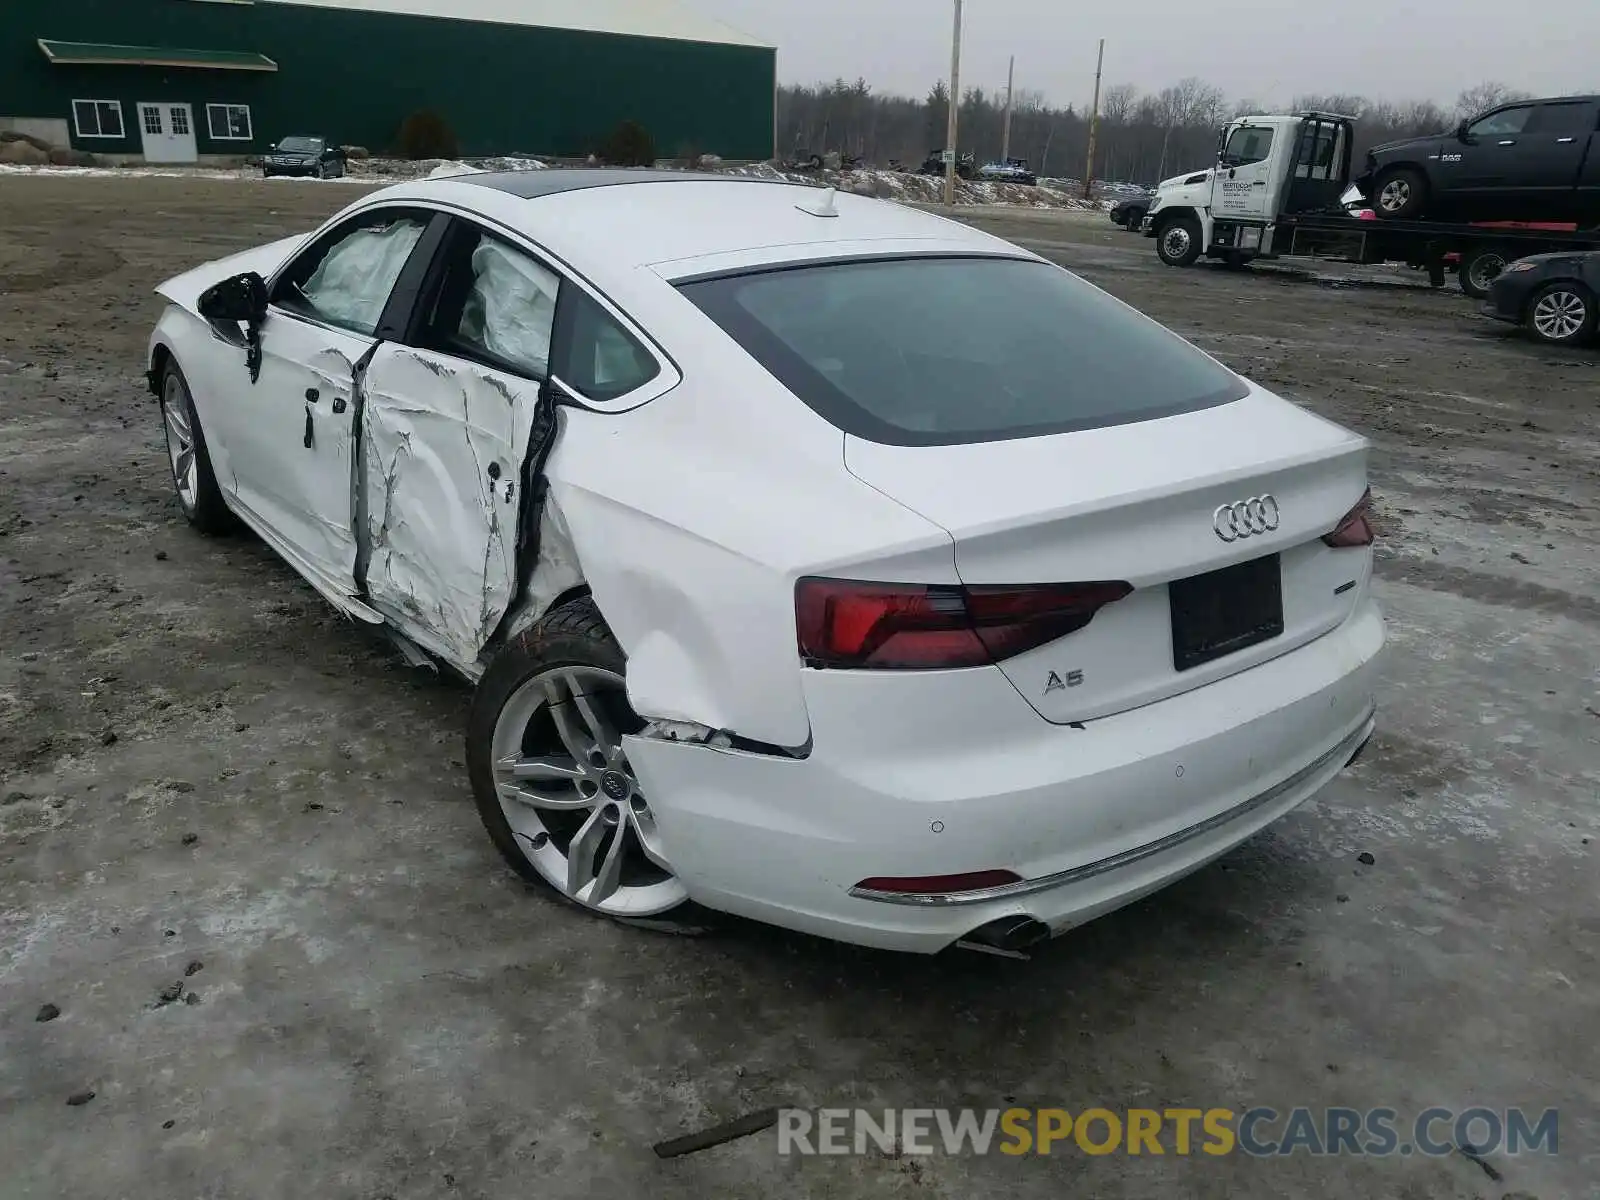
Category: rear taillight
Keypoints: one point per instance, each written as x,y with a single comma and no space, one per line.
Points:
1355,527
902,626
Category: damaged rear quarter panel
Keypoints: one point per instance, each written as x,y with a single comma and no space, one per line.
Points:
694,515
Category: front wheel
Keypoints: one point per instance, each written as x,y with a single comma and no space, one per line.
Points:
551,778
1178,242
1562,314
1401,194
192,477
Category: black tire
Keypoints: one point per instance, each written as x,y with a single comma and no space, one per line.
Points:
1178,241
322,170
1568,297
1478,269
1399,194
206,510
573,635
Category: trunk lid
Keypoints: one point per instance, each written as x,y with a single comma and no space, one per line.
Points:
1136,502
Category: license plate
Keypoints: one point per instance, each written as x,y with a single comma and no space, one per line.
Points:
1225,611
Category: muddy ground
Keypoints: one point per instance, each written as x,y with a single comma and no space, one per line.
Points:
211,788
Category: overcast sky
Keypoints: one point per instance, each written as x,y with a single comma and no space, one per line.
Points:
1266,50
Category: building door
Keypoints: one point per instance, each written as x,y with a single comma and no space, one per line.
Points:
168,132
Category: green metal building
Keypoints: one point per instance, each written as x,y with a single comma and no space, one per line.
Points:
181,80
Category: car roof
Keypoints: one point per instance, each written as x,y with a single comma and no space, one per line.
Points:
610,220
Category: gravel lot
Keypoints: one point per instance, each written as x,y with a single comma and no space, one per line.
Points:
203,770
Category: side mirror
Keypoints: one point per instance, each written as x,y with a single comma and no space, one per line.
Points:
1461,132
242,298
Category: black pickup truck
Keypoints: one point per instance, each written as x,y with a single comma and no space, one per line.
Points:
1531,160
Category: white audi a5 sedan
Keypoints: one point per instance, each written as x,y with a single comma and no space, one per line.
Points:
815,559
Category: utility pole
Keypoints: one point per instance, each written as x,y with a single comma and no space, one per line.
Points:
1005,139
1094,123
955,107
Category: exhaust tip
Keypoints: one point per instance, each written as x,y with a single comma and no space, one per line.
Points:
1008,937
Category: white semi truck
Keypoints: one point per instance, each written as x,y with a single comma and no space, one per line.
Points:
1281,187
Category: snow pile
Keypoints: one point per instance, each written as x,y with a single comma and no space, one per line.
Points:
929,189
447,169
386,170
1055,194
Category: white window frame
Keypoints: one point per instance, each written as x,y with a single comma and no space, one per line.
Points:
227,135
122,124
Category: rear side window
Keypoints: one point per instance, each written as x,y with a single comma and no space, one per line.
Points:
601,360
939,351
1561,119
494,305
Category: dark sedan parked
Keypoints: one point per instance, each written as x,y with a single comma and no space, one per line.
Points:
1556,297
1130,210
302,155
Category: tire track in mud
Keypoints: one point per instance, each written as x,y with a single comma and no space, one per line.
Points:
73,267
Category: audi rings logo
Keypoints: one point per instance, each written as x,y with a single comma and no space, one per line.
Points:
1246,518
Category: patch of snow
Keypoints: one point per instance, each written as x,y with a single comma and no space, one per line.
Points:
446,169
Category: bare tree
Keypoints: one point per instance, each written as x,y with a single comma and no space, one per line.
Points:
1145,136
1117,102
1484,97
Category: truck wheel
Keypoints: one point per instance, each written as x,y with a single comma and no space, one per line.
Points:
1562,313
1178,242
1479,269
1400,193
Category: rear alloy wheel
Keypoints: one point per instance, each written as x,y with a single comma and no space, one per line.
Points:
1562,314
1178,242
550,776
1479,268
1401,193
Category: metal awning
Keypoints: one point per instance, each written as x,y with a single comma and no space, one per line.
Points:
100,54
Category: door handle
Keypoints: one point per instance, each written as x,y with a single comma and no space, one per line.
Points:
1508,142
1563,141
1259,183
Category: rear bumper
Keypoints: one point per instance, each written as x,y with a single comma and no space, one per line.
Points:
968,778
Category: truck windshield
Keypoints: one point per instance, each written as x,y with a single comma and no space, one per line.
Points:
943,351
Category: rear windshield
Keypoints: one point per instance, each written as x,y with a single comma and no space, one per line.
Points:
936,351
